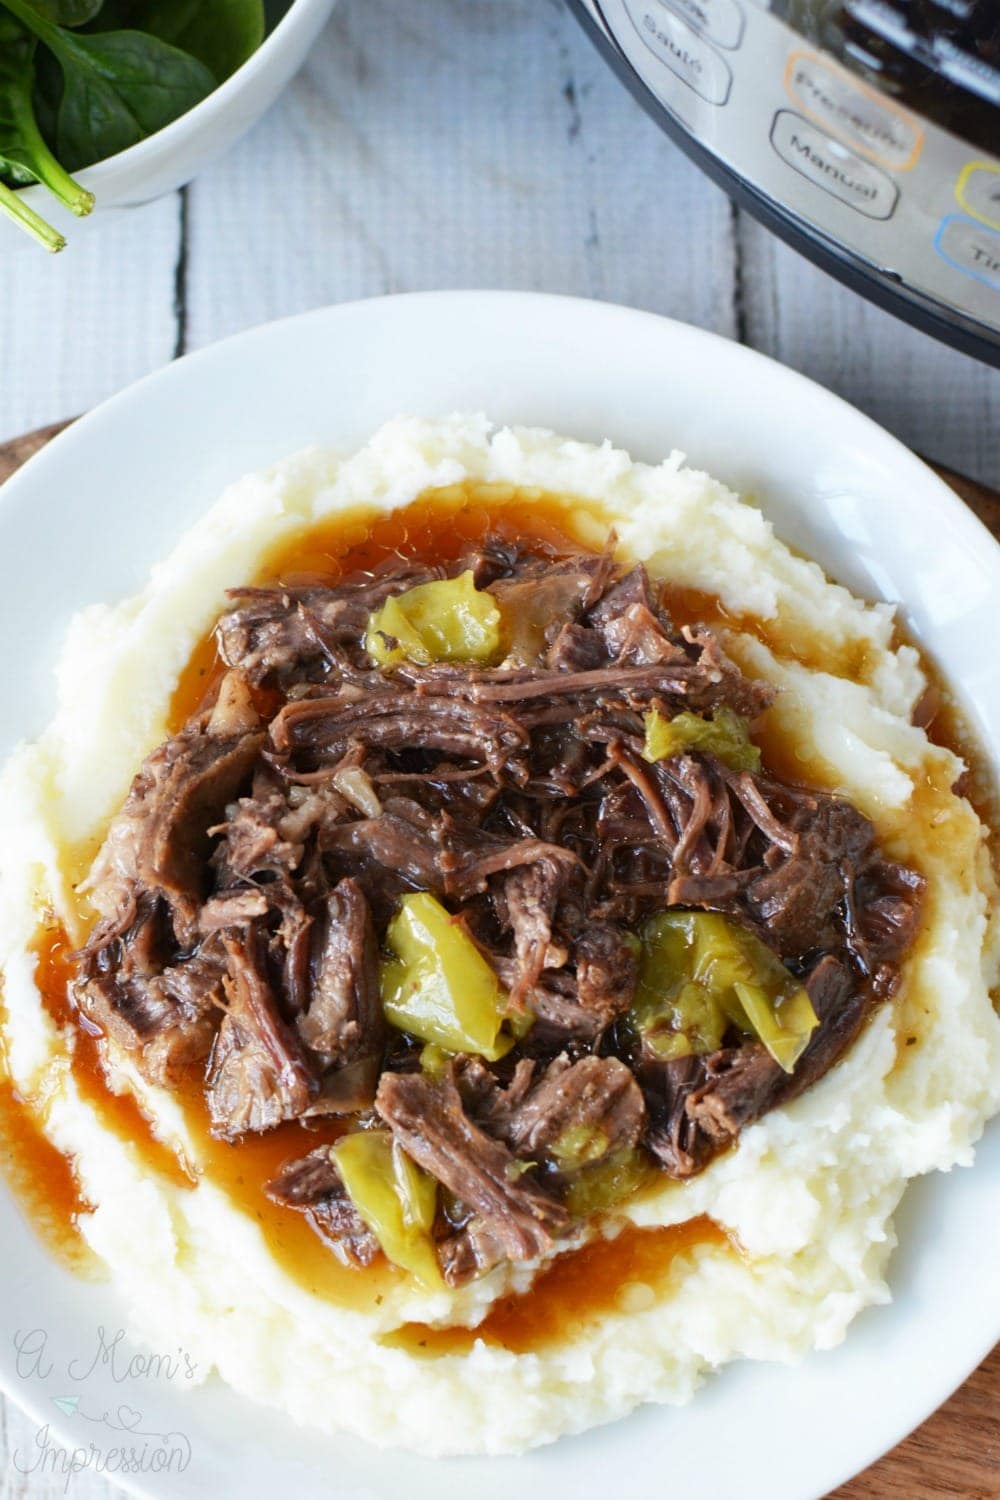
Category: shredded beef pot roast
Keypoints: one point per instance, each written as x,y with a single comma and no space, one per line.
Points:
246,887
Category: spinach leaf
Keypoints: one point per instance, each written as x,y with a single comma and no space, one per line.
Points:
48,92
24,155
67,12
140,15
118,87
17,76
220,33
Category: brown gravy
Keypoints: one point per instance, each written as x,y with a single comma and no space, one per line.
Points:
575,1289
239,1171
578,1286
119,1113
572,1291
440,523
434,528
42,1178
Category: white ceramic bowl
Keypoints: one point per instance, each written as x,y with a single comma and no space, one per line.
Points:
85,520
174,155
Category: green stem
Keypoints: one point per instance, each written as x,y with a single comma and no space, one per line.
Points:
79,200
15,208
45,166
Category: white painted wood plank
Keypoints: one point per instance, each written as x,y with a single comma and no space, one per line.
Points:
76,327
455,145
940,402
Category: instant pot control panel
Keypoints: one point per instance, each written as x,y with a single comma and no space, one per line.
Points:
882,195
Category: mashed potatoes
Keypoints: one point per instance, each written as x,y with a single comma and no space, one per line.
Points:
809,1193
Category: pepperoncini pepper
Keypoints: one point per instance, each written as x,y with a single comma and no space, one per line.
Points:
447,620
700,974
597,1188
394,1197
437,986
725,734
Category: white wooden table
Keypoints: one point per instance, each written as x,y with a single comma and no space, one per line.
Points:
449,143
456,143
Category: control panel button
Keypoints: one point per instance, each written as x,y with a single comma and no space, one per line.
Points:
854,114
970,247
832,167
978,191
679,47
720,20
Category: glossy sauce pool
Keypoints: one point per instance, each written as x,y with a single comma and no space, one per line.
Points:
42,1178
623,1274
240,1171
578,1286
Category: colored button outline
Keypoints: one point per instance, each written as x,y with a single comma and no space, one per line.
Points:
970,168
831,127
994,286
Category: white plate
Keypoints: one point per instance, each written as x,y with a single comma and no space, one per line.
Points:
84,521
